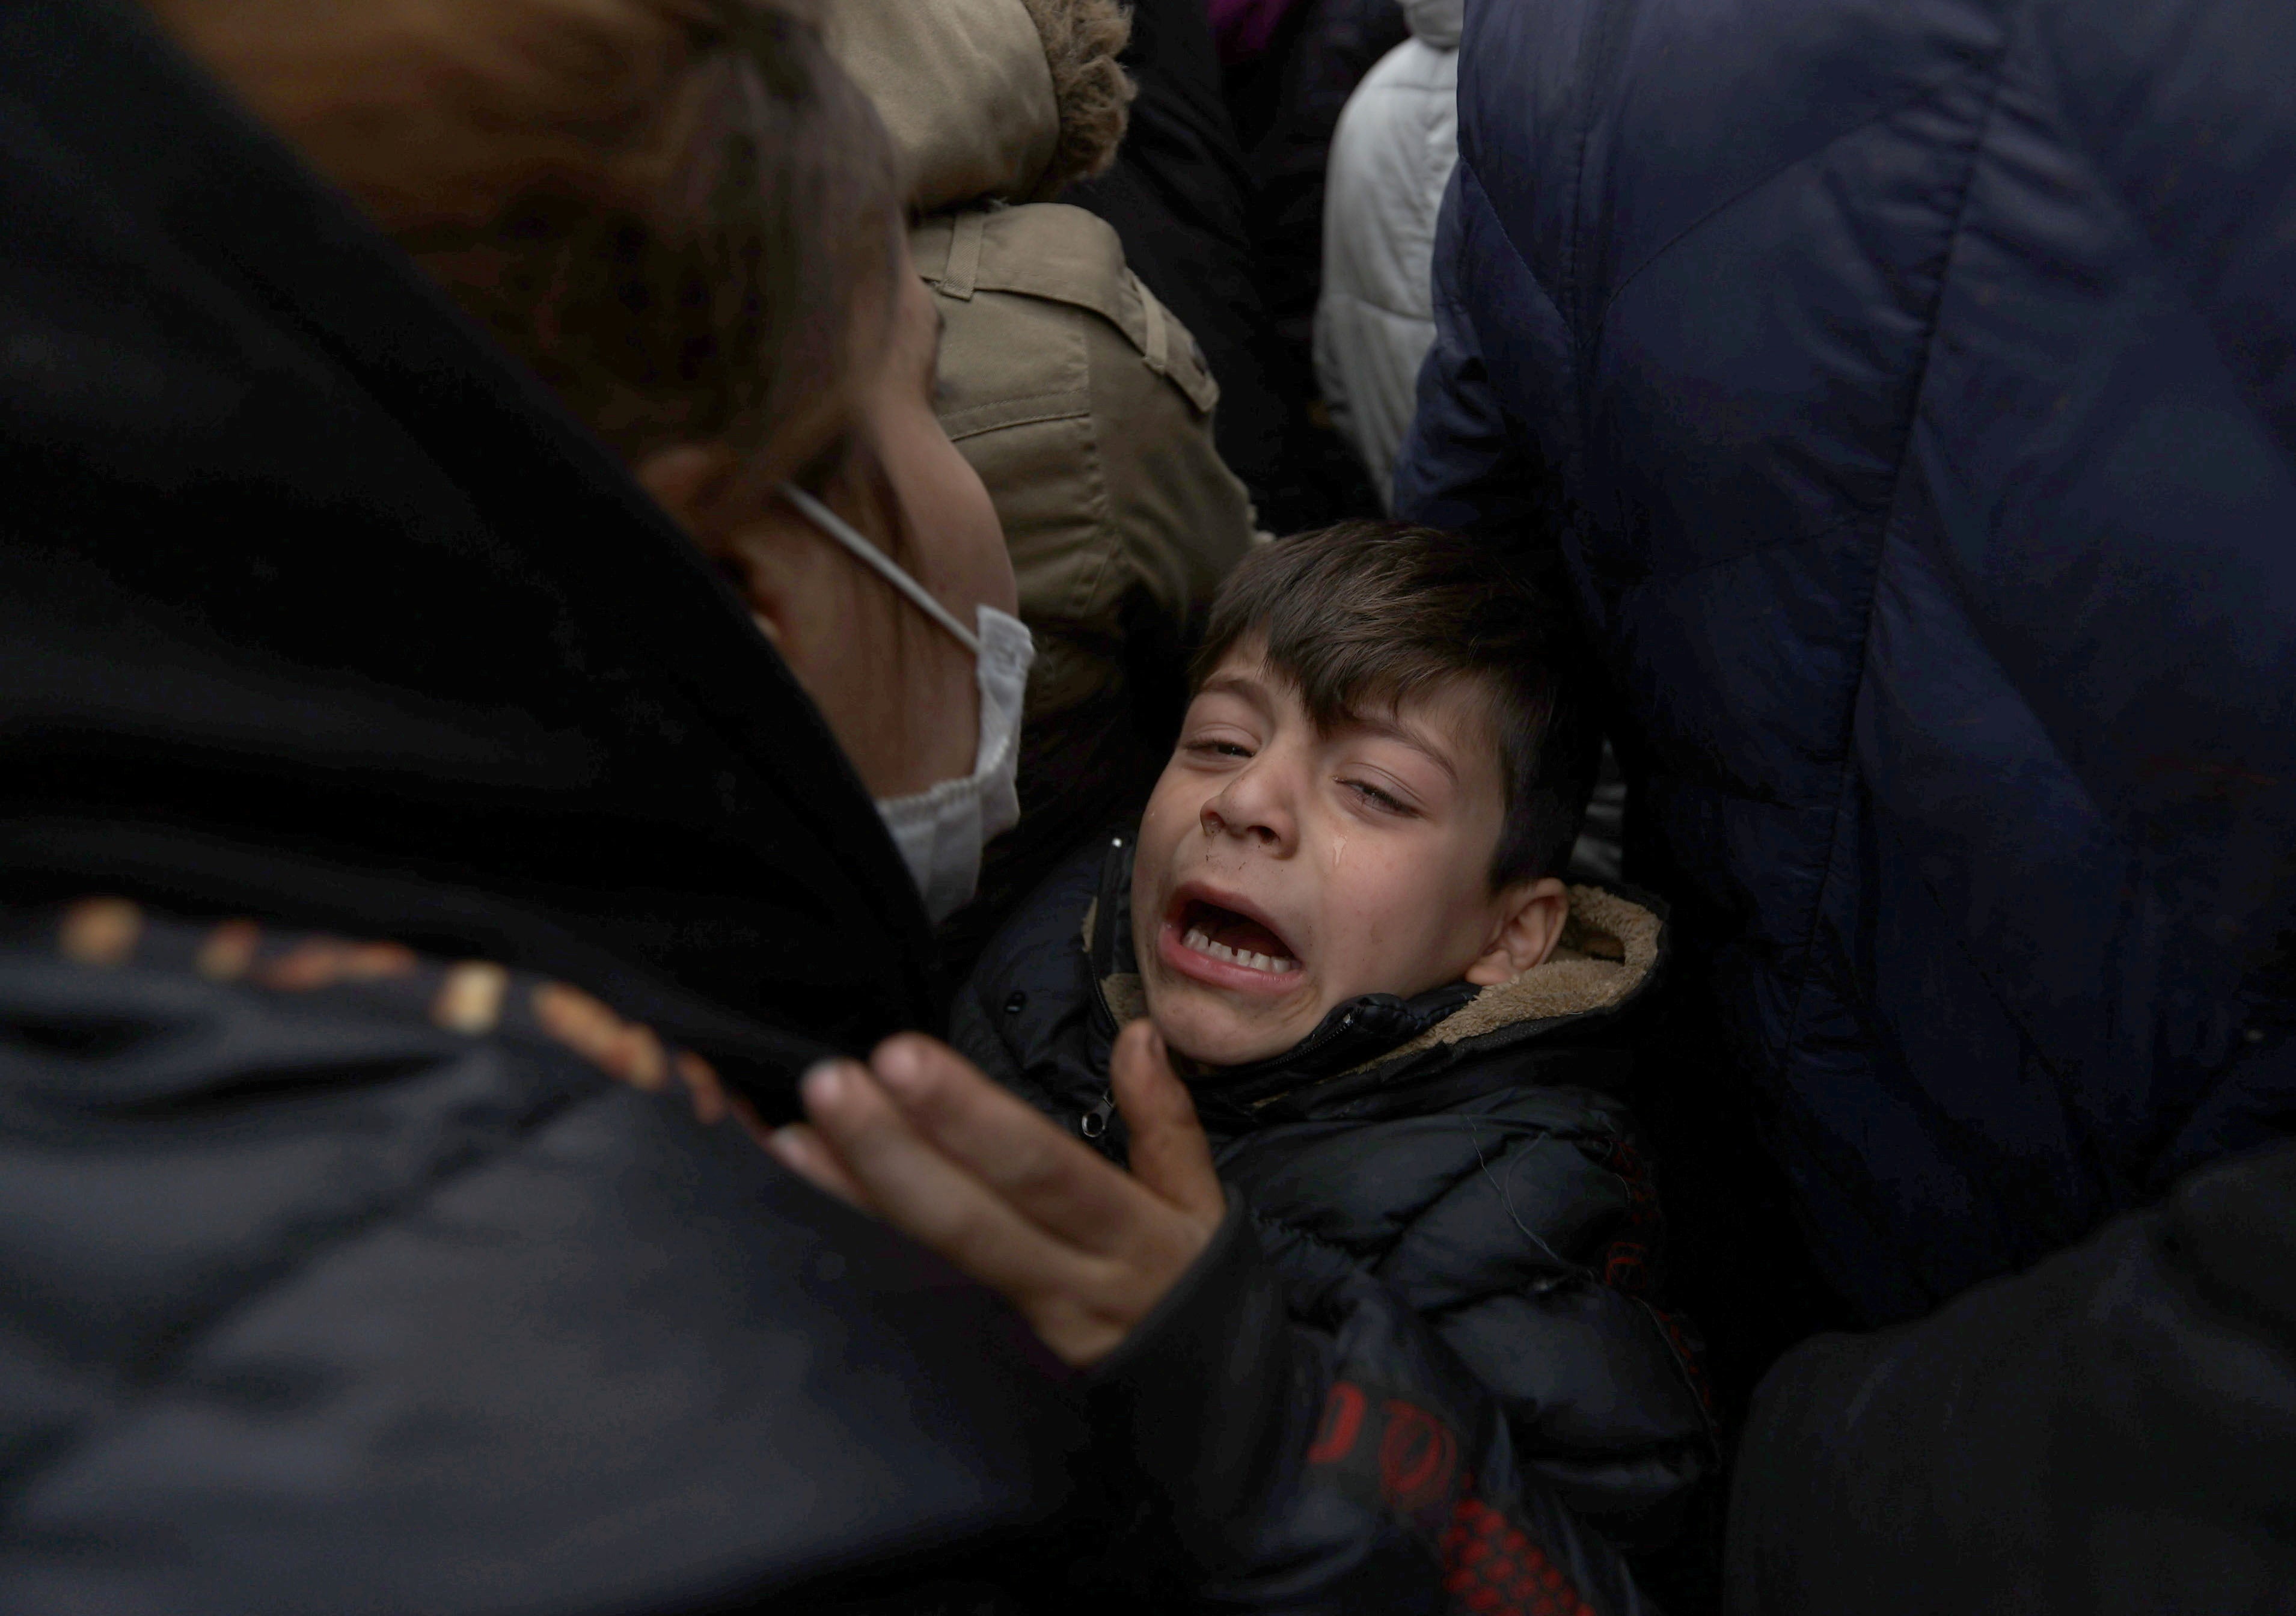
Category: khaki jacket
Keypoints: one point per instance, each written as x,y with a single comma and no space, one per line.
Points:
1085,406
963,87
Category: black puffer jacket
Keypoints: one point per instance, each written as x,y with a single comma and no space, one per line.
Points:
335,1277
1464,1150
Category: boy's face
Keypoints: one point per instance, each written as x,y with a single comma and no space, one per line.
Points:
1283,869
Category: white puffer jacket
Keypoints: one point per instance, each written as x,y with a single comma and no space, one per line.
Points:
1391,157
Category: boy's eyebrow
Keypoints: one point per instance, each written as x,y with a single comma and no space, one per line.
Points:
1247,688
1396,729
1241,684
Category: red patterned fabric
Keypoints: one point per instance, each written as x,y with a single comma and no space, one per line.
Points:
1489,1566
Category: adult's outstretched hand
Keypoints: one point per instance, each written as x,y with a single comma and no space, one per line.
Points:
1083,1250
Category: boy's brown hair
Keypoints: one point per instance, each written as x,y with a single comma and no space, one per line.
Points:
1368,614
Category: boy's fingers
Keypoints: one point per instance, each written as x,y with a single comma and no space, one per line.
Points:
802,1149
934,1200
951,1159
1170,1155
1058,1184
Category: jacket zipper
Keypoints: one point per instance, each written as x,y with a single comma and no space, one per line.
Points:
1093,1124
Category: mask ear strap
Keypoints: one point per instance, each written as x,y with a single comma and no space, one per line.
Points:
830,522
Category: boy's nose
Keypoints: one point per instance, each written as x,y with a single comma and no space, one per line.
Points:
1252,806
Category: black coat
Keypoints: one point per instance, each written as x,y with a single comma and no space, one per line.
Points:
313,609
2108,1434
1450,1180
1194,215
1905,388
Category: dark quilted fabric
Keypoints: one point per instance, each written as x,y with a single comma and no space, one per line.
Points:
1908,384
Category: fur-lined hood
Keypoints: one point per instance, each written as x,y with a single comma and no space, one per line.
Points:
1612,945
989,100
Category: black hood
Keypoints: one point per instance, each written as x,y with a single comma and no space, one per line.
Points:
313,605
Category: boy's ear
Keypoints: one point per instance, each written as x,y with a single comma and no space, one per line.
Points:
1531,924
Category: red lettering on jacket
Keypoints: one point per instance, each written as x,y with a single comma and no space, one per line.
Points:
1416,1458
1343,1412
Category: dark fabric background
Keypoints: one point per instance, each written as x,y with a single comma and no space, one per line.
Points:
1228,232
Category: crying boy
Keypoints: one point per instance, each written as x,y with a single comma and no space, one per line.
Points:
1345,912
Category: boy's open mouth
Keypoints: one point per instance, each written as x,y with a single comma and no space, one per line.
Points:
1223,934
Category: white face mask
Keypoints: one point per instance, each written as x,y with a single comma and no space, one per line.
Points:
941,830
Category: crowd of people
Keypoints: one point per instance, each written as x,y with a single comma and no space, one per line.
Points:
1002,806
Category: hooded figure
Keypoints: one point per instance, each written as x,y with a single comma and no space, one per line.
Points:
342,1276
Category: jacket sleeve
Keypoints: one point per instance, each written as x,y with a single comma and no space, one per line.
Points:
1352,1463
2112,1431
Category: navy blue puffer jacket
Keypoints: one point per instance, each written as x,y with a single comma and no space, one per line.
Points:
1911,384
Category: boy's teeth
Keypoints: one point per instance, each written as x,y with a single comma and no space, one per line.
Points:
1274,964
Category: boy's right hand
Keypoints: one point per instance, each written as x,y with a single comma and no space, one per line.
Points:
1083,1248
